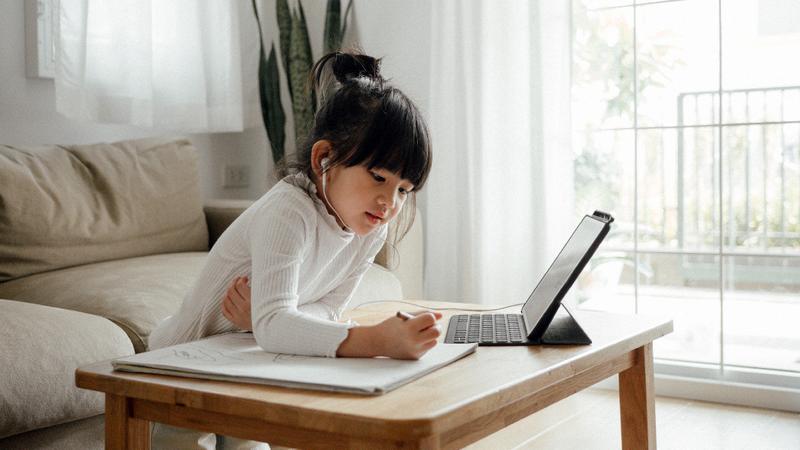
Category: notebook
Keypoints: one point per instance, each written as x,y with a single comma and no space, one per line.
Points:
538,323
237,357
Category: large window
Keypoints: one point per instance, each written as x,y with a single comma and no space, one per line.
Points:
686,127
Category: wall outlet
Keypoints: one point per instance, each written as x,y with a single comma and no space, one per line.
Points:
235,176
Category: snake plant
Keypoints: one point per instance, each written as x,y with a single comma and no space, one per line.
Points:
297,61
304,103
269,89
284,16
334,28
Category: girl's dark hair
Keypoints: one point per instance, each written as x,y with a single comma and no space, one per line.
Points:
368,122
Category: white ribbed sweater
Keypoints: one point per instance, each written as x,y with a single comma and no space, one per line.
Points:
303,269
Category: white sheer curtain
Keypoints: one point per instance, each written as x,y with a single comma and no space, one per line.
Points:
174,64
499,201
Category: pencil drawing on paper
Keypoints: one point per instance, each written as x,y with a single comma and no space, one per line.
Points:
287,358
199,354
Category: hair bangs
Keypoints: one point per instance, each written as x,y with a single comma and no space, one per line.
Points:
397,140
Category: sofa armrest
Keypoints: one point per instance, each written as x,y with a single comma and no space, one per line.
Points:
220,213
40,348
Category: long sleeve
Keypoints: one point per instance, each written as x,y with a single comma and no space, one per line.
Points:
332,305
335,302
302,266
278,242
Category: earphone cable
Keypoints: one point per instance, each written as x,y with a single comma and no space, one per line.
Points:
325,194
436,309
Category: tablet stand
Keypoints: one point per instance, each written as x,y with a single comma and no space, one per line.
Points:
564,330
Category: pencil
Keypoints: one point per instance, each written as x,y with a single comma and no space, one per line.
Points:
404,315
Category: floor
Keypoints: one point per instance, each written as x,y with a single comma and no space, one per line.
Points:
590,420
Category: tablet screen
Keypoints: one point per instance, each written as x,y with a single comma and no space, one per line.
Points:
558,275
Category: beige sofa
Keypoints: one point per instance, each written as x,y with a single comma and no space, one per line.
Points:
98,243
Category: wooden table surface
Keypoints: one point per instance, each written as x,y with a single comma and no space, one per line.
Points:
449,408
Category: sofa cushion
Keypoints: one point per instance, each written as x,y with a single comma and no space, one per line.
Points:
72,205
135,293
40,349
138,293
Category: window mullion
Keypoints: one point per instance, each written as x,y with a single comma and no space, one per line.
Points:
636,258
719,168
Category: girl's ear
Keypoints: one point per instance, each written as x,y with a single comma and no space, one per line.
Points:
320,150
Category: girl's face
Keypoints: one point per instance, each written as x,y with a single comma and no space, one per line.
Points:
365,198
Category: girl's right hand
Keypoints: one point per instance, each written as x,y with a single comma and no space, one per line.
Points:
412,338
236,304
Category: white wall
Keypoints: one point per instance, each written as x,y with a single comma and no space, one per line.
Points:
396,30
399,31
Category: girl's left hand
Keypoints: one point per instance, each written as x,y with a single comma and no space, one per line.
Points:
236,304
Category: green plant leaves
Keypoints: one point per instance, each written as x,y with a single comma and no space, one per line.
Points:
269,90
284,17
333,29
271,106
297,61
300,62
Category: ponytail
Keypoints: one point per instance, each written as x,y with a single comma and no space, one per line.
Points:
347,67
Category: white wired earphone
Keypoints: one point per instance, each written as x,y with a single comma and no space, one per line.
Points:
324,164
437,309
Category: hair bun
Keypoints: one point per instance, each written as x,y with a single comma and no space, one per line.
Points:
347,66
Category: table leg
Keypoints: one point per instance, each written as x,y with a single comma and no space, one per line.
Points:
122,430
637,402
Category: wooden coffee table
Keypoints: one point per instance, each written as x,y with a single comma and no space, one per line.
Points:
449,408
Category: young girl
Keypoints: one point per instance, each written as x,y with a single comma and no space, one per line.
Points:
306,243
